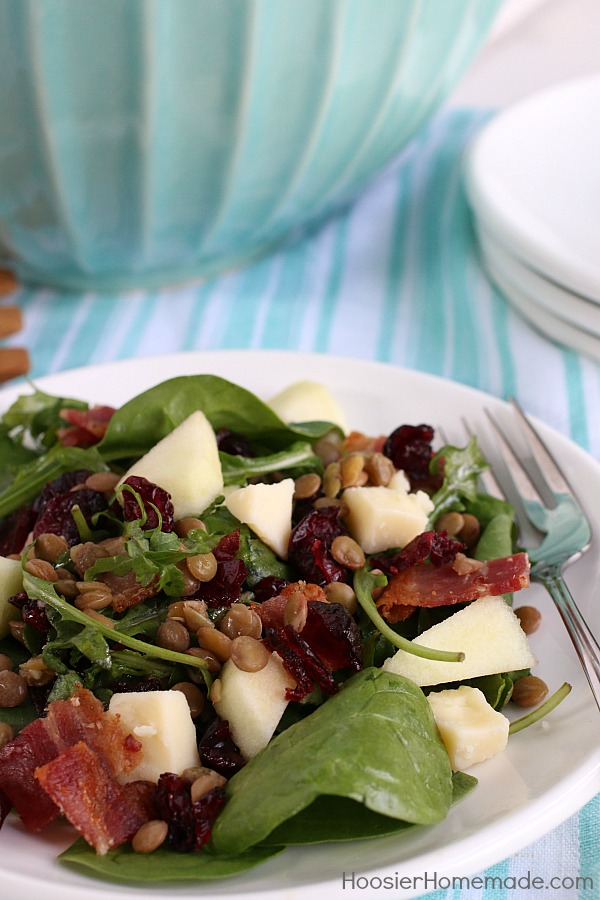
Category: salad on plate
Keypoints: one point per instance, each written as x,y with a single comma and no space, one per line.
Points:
231,626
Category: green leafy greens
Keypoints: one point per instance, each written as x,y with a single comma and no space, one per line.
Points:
138,425
379,718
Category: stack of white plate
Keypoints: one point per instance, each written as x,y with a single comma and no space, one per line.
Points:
532,177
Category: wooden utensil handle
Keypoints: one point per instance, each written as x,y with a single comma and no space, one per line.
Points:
11,320
14,361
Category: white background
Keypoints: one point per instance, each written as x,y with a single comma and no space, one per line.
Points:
533,44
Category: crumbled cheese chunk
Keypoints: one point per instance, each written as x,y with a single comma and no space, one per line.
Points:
470,728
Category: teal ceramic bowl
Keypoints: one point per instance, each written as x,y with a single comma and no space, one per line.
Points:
148,141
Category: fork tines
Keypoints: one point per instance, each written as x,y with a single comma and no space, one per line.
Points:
538,477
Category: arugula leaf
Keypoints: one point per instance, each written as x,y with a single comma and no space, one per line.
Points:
153,556
462,467
64,685
34,475
39,589
71,636
374,742
13,455
298,456
37,416
144,618
122,864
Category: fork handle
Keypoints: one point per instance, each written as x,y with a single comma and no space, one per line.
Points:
583,640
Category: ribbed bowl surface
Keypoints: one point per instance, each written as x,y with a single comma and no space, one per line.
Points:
144,141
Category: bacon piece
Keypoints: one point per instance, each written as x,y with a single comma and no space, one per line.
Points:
271,610
68,722
81,786
18,761
86,426
427,585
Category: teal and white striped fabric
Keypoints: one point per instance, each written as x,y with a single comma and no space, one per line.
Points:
395,277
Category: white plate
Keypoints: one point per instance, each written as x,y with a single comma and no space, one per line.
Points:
563,304
533,179
537,314
546,773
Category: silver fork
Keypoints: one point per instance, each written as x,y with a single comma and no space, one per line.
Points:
544,499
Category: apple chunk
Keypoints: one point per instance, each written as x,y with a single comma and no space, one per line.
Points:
11,582
308,401
470,728
267,510
252,703
488,633
186,464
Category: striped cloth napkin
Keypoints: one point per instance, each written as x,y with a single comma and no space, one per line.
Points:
394,277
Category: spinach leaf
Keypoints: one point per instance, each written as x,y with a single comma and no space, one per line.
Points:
150,416
497,541
374,742
329,819
122,864
141,423
260,560
485,508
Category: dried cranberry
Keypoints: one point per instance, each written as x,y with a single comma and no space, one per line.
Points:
409,448
333,635
32,611
268,587
309,545
57,515
34,614
151,496
228,546
437,547
129,683
15,529
173,805
205,811
300,661
5,806
18,600
233,443
61,485
218,751
38,694
226,586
